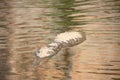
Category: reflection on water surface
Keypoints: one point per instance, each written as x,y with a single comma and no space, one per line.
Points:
27,25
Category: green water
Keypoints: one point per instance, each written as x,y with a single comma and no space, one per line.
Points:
27,25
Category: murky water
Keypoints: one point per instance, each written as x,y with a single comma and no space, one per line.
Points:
27,25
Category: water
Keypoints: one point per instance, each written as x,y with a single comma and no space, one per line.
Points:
26,25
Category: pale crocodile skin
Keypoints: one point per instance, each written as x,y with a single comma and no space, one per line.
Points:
62,40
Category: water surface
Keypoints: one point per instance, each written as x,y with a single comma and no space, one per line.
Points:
26,25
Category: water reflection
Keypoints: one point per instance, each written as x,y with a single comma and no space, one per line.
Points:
35,23
61,15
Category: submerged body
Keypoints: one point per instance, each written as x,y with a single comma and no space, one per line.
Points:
62,40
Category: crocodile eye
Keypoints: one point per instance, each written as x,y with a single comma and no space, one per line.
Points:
37,53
